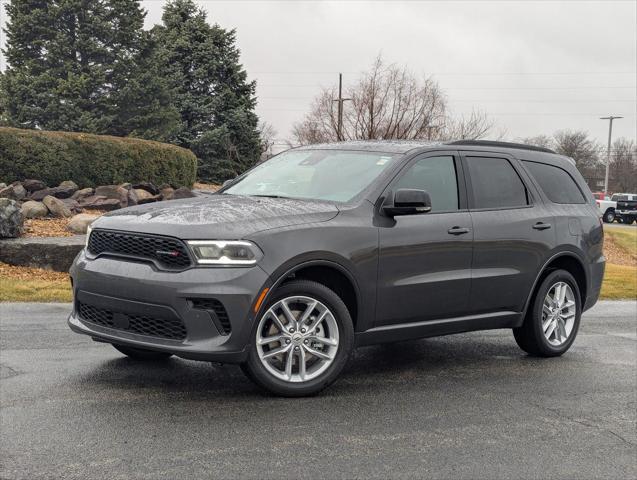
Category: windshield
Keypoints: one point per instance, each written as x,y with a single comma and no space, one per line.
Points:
335,175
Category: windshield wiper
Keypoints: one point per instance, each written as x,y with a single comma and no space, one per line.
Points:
270,196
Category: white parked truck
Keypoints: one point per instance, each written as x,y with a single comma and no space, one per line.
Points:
621,207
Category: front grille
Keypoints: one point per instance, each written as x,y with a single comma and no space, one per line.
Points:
217,312
173,329
168,253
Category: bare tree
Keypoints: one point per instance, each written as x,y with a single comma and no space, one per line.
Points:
623,166
545,141
268,135
388,102
578,146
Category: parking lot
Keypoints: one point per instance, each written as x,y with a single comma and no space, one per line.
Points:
463,406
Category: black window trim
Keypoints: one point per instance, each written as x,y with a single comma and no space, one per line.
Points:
460,179
516,167
541,190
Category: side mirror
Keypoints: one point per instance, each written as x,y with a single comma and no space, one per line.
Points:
408,202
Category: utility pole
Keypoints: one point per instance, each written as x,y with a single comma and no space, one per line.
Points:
610,133
340,100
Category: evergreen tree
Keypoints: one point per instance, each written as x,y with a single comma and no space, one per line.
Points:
80,65
211,92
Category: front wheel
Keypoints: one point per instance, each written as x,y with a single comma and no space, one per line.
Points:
302,341
552,322
609,216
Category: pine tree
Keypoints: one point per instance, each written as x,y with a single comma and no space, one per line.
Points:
212,94
80,65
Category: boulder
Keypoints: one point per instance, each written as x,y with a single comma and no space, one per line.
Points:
83,193
69,185
3,185
72,205
33,185
132,197
126,185
183,192
11,219
57,207
113,192
15,191
79,223
167,193
33,209
100,203
57,192
148,186
144,196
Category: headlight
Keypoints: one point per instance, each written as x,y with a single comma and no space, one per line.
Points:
222,252
88,235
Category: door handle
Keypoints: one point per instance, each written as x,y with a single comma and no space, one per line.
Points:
542,226
457,231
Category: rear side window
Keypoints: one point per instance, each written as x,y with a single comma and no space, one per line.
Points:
557,184
496,184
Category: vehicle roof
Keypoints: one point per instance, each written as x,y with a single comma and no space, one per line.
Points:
529,152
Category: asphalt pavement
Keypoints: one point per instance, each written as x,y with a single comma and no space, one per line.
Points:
461,406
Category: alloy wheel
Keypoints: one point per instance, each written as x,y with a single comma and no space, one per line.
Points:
297,339
558,313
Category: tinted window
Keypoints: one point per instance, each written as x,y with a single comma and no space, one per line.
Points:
557,184
436,175
495,183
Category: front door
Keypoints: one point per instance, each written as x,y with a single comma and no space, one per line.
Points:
425,259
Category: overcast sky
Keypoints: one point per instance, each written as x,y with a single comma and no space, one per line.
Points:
534,66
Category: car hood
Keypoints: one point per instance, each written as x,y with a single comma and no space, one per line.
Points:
223,217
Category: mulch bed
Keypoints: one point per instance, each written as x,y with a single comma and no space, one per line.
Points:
616,254
51,226
28,273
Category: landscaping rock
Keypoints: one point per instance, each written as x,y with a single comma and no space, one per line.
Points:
183,192
52,253
57,207
11,219
148,186
83,193
142,194
100,203
167,193
69,185
3,185
72,205
33,209
132,197
79,223
113,192
15,191
57,192
33,185
126,185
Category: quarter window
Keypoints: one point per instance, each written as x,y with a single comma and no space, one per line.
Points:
556,183
496,184
437,176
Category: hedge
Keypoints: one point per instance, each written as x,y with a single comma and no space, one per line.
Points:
92,160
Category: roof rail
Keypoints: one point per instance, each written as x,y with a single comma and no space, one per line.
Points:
490,143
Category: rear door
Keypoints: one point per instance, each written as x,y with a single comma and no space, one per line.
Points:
425,259
513,232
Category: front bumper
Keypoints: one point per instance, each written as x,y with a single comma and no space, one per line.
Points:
138,289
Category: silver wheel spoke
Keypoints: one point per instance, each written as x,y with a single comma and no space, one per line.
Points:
281,343
559,311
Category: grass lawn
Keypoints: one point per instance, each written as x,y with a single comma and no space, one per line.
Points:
20,284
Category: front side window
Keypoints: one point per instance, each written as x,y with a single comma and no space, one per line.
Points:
437,176
336,175
556,183
495,183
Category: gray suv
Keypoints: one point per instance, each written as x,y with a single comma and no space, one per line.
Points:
324,248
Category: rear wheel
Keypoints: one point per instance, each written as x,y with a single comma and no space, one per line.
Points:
552,322
302,341
609,216
141,354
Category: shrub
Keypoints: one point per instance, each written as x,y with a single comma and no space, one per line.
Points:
91,160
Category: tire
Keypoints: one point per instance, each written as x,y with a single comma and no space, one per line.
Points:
141,354
609,216
531,338
329,335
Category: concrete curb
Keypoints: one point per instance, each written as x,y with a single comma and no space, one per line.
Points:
51,253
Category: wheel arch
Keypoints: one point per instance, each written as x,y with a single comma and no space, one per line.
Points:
565,260
330,273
